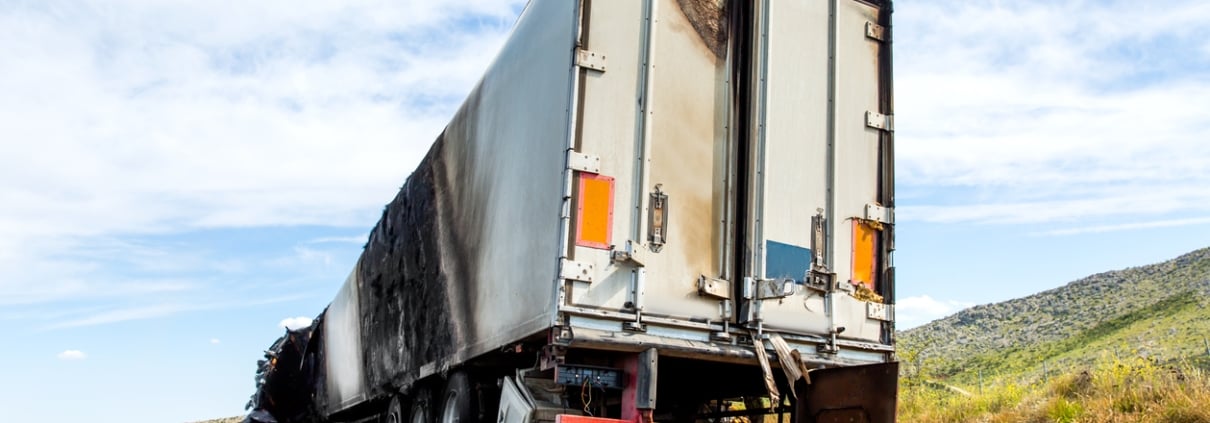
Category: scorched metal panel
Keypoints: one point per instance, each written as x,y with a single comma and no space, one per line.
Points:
464,259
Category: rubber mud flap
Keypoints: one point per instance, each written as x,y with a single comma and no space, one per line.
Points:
855,394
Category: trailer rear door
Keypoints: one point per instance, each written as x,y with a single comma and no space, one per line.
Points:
708,137
654,113
823,150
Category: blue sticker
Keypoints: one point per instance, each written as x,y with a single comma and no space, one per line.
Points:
785,261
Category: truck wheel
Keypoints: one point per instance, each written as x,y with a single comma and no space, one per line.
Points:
394,412
422,406
458,403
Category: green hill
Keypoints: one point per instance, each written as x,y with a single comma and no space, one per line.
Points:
1157,312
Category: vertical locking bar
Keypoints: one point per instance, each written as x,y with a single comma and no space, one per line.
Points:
657,220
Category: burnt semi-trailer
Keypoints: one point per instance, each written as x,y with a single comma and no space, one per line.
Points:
646,210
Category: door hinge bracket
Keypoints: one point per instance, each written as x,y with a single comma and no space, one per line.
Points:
875,31
628,255
590,60
714,287
880,214
583,162
880,121
879,311
576,271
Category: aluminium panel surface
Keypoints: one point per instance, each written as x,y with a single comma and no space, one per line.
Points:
689,105
609,128
795,147
857,149
679,93
464,259
657,117
510,164
795,158
344,372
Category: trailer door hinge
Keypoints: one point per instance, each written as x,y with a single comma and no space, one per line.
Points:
583,162
590,60
879,311
880,214
875,31
880,121
628,255
714,287
576,271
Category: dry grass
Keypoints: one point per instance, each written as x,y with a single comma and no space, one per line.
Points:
1114,390
236,419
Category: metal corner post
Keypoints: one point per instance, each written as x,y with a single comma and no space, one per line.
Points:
573,101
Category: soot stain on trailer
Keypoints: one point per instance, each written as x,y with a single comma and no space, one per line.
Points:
708,18
420,268
407,320
464,202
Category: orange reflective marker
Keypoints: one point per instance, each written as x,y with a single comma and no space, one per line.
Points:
865,241
594,211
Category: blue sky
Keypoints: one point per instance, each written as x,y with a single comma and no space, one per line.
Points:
179,178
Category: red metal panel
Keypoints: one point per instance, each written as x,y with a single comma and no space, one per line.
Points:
571,418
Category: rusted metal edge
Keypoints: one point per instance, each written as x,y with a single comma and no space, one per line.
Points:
628,341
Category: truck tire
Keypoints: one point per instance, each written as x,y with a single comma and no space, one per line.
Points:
422,406
458,403
394,412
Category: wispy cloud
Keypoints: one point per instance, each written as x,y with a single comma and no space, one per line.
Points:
360,239
270,102
1031,112
295,322
143,312
310,254
1128,226
134,118
72,355
915,311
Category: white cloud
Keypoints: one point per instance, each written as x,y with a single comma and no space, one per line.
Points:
293,116
137,117
1171,223
360,239
122,315
915,311
215,341
294,323
71,355
143,312
1029,112
310,254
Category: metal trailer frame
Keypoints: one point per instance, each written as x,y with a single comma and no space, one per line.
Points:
477,254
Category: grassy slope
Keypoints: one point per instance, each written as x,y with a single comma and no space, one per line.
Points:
1158,311
1124,346
1112,390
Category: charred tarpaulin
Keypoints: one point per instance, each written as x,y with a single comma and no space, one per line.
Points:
409,315
414,257
708,19
284,380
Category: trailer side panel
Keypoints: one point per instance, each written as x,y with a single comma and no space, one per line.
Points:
463,260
